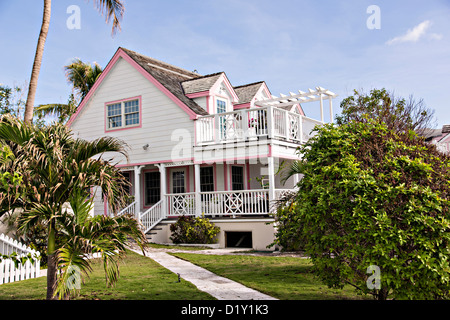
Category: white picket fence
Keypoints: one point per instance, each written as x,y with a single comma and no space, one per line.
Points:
8,270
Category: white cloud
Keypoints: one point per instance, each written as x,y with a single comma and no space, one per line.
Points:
415,34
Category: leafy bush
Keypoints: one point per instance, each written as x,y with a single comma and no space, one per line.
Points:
371,196
191,230
287,226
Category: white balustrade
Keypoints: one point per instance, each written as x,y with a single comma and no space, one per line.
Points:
180,204
232,203
152,216
256,122
130,209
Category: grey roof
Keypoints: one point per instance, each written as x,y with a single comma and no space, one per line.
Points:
431,133
200,84
169,76
247,92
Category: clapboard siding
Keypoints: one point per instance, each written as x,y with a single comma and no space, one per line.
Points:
161,117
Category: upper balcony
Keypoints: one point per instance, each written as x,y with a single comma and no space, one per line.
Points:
246,124
270,119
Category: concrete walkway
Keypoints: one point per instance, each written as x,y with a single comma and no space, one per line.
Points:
219,287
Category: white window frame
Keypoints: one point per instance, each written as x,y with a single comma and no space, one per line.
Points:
217,105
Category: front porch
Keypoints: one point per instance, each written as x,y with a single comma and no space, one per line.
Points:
219,191
220,204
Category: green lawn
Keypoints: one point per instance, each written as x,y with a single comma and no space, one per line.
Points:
140,279
285,278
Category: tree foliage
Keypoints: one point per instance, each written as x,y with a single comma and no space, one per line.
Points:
398,114
82,76
54,173
12,100
372,196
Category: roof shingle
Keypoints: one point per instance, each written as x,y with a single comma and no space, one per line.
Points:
169,76
247,92
200,84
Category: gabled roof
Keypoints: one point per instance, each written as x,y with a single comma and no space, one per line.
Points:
429,134
200,84
248,91
163,75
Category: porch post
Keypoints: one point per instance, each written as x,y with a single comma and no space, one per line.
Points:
271,173
198,198
270,122
331,110
137,190
321,107
163,186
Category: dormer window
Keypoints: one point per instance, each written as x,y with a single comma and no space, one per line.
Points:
123,114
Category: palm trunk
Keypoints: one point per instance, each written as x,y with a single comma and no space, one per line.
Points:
51,262
29,106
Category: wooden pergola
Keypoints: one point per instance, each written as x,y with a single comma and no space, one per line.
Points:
319,94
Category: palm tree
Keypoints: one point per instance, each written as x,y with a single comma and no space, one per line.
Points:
29,105
82,76
57,169
62,111
112,9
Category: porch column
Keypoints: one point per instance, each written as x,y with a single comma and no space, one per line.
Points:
331,110
163,185
271,174
198,198
321,108
137,190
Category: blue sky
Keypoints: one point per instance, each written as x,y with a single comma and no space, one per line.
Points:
292,45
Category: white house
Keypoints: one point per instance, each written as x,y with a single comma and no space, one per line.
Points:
439,137
197,144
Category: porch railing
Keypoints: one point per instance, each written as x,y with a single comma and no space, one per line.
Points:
245,124
130,209
249,202
180,204
221,203
152,216
215,204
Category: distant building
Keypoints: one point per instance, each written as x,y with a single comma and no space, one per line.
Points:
439,137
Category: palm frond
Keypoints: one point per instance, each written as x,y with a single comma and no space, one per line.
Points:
112,9
296,167
81,206
38,212
15,131
71,265
63,111
83,149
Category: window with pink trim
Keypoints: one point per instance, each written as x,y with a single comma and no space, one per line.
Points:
123,114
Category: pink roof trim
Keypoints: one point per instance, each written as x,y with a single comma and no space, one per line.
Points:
121,54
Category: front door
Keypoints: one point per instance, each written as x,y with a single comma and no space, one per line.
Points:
152,187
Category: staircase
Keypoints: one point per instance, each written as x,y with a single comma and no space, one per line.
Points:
152,216
150,234
149,218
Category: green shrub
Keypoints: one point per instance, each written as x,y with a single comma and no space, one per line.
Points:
372,197
287,226
191,230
